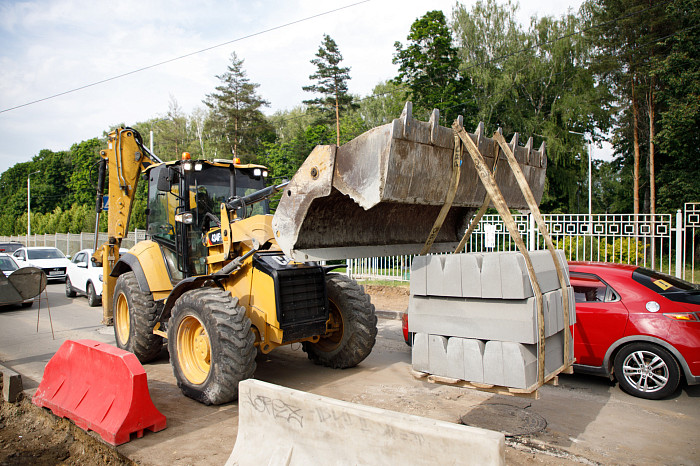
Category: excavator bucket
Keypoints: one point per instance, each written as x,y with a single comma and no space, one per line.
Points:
381,193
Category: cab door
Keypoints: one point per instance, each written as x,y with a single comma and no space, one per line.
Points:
601,318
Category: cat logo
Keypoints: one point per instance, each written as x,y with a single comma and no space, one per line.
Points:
214,238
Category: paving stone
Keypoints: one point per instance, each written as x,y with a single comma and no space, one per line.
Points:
417,285
486,319
419,353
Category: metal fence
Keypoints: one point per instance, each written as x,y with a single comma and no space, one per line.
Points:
664,242
70,243
653,241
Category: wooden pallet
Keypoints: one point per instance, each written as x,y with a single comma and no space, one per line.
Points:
530,392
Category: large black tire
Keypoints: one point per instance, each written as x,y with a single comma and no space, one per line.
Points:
352,312
92,298
70,292
647,371
211,344
135,316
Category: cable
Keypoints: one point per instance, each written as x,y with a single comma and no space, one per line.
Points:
183,56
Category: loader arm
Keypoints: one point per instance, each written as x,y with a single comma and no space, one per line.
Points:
124,160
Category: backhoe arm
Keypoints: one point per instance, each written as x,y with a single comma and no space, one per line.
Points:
123,161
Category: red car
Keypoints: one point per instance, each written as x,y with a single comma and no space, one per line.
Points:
635,324
639,325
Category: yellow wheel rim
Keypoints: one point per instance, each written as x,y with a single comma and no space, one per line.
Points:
121,319
335,326
193,350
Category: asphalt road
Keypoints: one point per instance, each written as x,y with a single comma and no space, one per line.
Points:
587,420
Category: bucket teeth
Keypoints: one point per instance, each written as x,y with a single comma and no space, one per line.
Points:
380,193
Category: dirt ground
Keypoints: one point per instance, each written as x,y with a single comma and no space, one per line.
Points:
32,435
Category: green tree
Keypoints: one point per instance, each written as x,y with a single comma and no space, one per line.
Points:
679,77
236,123
384,104
429,68
331,81
536,82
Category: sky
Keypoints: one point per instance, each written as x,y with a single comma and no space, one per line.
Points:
49,47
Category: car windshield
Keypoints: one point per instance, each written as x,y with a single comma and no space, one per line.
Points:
44,254
7,264
668,286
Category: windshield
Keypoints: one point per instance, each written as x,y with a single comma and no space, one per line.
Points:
44,254
7,264
667,286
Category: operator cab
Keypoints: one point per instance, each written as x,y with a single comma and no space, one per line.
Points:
204,185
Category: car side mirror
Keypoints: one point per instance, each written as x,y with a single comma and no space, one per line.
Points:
82,265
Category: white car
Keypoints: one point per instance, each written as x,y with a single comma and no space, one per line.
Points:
7,266
50,260
84,278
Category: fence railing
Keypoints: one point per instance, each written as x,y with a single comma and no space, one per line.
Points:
653,241
70,243
664,242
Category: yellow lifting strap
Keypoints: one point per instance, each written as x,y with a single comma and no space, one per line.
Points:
530,199
494,193
451,192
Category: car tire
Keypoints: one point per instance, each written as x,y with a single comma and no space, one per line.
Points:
93,299
70,292
27,304
647,371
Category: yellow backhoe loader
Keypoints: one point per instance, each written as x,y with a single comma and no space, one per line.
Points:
220,278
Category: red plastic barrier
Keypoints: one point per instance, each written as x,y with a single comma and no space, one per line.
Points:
100,388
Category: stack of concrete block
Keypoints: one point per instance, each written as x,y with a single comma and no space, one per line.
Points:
475,316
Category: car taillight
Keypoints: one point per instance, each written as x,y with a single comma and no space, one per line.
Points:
404,323
683,316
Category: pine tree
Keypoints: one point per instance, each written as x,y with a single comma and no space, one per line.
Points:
331,82
236,122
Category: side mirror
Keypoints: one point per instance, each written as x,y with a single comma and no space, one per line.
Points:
166,177
82,265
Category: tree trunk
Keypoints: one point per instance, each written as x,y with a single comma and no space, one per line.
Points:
652,131
635,116
337,121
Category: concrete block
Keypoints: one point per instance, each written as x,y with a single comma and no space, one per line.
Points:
418,281
470,265
437,355
485,319
465,359
444,276
11,385
491,276
493,363
515,281
514,365
419,353
279,425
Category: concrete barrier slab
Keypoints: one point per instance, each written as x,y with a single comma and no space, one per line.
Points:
437,355
278,425
419,353
418,282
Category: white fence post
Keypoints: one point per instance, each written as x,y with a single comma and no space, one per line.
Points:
680,229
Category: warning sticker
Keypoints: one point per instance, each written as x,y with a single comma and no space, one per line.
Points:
663,284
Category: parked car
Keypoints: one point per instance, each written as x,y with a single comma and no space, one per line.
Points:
50,260
634,324
84,278
7,266
9,248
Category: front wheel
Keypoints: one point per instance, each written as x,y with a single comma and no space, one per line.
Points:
352,326
70,292
211,344
134,319
647,371
92,298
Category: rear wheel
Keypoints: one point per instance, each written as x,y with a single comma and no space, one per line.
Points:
93,299
647,371
353,324
70,292
211,344
134,319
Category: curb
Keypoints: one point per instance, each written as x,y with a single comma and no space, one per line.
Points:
392,315
11,385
